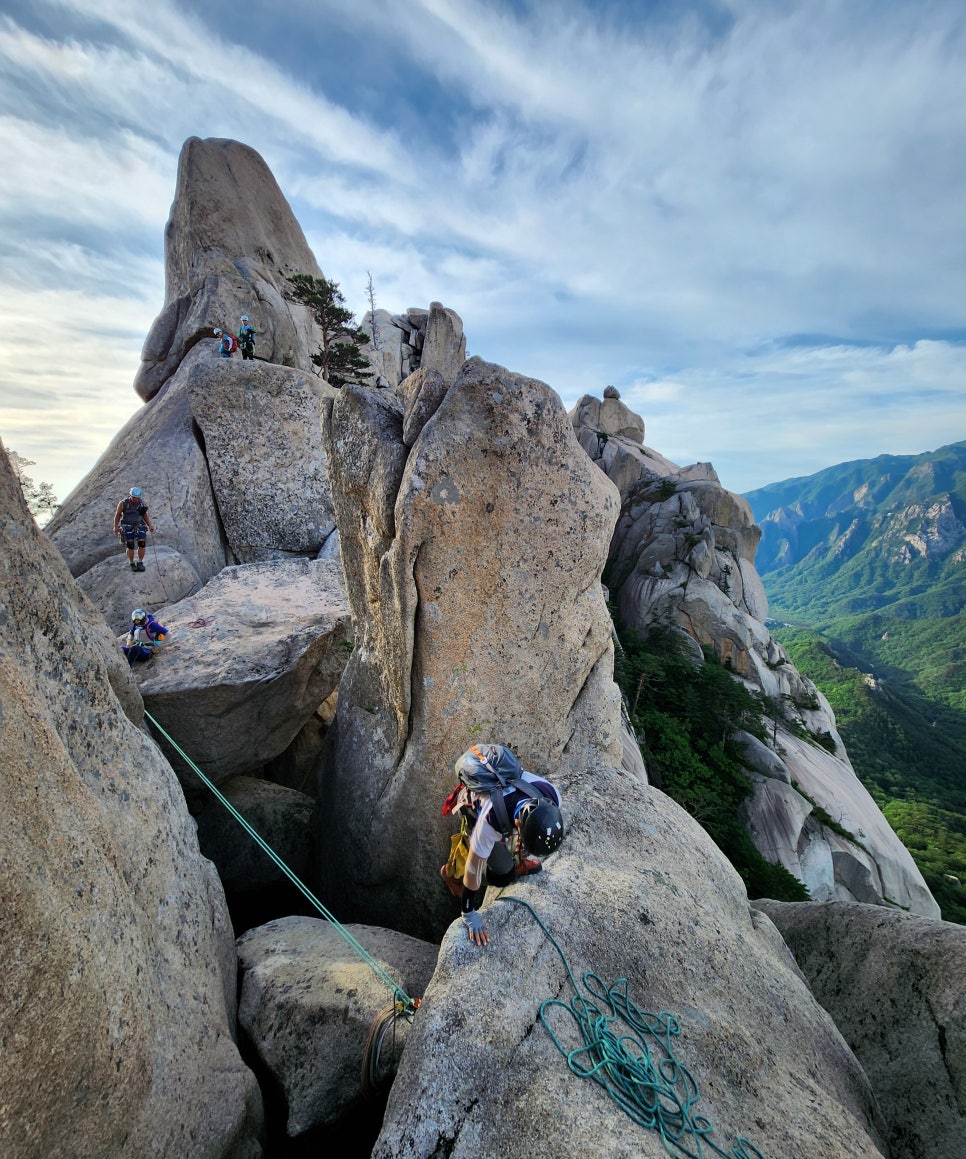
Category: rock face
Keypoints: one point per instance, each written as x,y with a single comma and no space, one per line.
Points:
282,816
473,565
869,865
250,659
636,892
263,439
893,983
159,450
117,1006
230,242
683,554
404,343
308,1001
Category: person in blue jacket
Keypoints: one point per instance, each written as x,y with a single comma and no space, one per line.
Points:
145,634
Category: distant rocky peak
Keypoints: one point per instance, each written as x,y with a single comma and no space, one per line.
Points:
230,243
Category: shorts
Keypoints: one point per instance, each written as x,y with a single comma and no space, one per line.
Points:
134,535
500,866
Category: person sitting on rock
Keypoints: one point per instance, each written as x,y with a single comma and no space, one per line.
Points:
145,634
131,522
246,339
535,828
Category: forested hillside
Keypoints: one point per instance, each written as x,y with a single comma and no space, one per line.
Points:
864,565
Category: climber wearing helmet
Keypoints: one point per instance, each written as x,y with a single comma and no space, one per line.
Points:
506,834
145,634
246,339
131,522
227,343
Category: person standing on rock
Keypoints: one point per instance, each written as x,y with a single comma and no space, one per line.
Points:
131,522
145,634
227,343
519,816
246,339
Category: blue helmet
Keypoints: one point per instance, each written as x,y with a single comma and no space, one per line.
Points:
135,492
139,615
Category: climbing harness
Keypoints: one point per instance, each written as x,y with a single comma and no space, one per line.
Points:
375,1069
634,1063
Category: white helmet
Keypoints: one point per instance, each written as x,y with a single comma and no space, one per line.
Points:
217,331
139,615
244,317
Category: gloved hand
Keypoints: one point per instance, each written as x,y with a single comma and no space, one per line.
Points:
475,928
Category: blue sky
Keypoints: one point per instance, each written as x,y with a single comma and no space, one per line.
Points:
750,217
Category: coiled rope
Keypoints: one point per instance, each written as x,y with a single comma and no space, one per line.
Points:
634,1063
401,998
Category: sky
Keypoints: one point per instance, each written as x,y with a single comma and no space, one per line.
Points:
747,215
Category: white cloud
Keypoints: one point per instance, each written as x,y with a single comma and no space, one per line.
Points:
604,198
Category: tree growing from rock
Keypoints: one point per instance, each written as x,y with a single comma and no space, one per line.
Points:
371,295
40,497
339,359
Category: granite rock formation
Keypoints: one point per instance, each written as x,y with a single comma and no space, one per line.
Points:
893,983
472,565
637,891
117,1008
683,555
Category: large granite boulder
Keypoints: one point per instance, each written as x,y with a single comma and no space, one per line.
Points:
893,982
230,243
118,998
444,348
249,660
473,567
263,439
308,1001
637,891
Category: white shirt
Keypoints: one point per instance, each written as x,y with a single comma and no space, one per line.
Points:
484,834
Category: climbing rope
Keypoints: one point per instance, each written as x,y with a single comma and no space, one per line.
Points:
157,564
408,1005
376,1069
636,1065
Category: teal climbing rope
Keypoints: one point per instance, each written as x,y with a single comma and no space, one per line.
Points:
629,1052
408,1004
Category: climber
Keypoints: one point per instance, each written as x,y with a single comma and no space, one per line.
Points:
246,339
501,848
227,343
131,522
145,634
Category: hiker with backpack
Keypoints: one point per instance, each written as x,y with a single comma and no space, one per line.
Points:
507,816
145,634
132,524
227,343
246,339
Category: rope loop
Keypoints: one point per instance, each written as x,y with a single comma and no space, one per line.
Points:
630,1053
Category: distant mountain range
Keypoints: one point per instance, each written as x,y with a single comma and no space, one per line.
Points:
864,565
880,533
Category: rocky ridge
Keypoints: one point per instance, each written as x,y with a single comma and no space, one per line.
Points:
473,530
683,554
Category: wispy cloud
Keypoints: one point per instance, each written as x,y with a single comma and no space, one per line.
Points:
661,198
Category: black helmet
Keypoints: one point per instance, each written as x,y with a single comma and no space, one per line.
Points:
541,827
